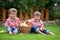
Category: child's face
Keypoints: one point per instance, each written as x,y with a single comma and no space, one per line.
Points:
37,17
13,14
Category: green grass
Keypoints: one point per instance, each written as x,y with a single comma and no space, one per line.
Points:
54,28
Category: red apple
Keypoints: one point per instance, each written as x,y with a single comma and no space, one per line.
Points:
28,23
12,24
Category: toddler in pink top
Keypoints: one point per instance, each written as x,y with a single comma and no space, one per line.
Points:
38,25
12,22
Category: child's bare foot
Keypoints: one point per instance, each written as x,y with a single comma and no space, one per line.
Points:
21,33
13,33
51,33
10,32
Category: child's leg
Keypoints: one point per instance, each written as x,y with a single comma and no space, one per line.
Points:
36,29
51,33
47,32
9,29
15,30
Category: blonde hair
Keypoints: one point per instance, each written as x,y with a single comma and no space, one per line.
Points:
37,13
12,9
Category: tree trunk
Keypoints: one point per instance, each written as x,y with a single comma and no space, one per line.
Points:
21,16
47,15
4,14
0,15
26,16
32,10
0,0
42,15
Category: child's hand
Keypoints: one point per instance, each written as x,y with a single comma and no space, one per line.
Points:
41,29
11,24
16,24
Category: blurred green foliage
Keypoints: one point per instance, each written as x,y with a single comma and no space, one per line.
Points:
25,5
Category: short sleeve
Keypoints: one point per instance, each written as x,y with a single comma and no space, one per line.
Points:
7,23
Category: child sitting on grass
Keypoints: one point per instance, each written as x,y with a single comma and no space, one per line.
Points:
38,25
12,22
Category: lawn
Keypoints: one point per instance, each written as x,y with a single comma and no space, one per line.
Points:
53,28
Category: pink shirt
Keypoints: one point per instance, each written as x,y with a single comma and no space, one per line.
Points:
15,22
34,22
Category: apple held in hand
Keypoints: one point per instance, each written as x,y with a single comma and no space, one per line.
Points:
17,25
12,24
41,29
